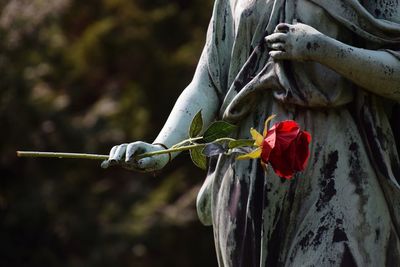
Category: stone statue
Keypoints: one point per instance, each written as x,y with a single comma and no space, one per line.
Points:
333,66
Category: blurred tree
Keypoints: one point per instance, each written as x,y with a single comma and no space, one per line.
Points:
80,76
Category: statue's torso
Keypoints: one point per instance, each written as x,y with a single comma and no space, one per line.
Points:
319,85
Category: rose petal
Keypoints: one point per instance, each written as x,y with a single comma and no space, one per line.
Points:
270,138
266,151
287,126
302,150
281,165
286,132
290,151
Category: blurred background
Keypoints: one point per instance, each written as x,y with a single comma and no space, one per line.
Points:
82,76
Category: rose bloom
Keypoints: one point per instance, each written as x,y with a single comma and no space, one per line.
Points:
285,147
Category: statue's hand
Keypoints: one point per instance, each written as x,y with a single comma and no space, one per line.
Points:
124,155
294,42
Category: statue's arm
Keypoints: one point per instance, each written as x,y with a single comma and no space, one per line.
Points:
198,95
203,93
375,70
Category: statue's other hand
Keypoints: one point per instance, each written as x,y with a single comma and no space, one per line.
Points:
294,42
124,155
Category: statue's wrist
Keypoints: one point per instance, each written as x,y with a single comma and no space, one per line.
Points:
323,48
164,147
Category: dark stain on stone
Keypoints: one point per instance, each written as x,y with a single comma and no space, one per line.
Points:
327,182
224,28
248,12
357,175
305,241
318,149
331,165
339,235
348,258
312,46
353,147
327,217
328,192
355,167
377,234
249,68
318,237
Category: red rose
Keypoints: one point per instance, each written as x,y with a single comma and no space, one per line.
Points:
285,147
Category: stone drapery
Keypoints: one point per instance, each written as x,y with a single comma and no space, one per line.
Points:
345,207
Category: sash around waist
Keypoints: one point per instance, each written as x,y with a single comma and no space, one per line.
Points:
288,84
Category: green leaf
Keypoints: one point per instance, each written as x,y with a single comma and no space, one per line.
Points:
196,125
218,129
241,142
198,158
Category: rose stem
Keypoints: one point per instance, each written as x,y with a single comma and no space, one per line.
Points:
60,155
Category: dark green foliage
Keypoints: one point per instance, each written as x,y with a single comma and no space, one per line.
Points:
196,125
198,158
218,129
82,76
241,143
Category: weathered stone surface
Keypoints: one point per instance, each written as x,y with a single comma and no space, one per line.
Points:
343,210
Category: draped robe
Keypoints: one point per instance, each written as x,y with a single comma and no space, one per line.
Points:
344,209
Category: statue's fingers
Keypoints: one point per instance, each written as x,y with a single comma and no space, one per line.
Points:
105,164
119,154
276,38
147,164
282,27
278,46
279,55
112,151
132,150
108,163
